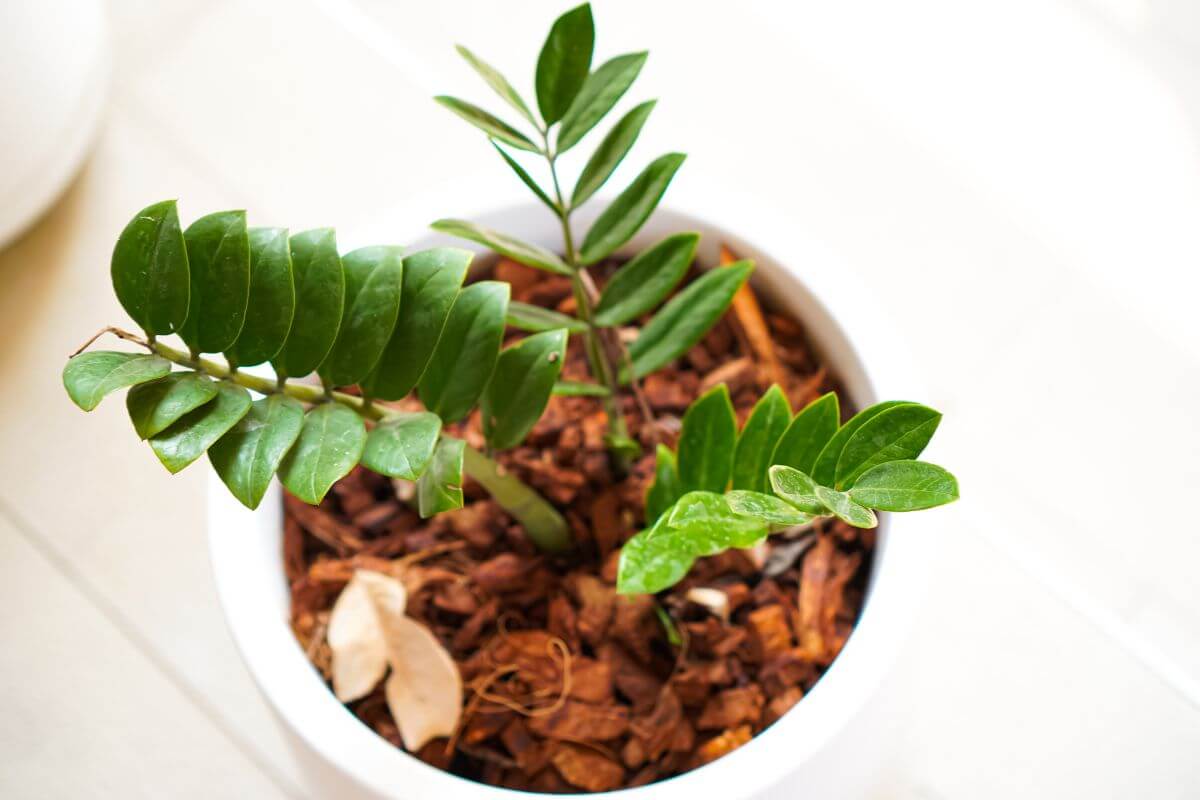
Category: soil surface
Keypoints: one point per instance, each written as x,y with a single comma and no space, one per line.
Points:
569,687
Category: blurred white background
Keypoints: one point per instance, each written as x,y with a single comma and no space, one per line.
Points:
1016,182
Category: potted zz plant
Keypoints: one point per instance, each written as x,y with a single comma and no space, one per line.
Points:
577,515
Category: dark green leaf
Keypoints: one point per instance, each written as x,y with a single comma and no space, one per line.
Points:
644,281
808,434
88,377
440,488
520,387
156,405
765,507
331,442
320,289
564,62
272,298
248,456
898,433
846,509
824,471
762,430
685,318
579,389
431,282
600,92
526,178
150,269
505,245
467,351
218,251
187,439
653,560
402,445
706,442
498,82
904,486
372,301
796,488
620,221
608,155
536,319
666,488
490,124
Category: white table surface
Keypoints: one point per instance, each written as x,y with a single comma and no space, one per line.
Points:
1017,182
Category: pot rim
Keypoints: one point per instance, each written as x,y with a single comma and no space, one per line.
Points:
300,696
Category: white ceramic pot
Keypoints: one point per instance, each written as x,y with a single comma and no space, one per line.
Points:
834,743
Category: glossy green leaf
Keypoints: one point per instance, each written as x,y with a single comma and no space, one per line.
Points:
520,387
824,471
808,434
644,281
248,456
846,509
369,309
187,439
629,211
320,289
88,377
489,123
612,150
526,178
432,279
536,319
218,250
440,488
599,93
756,442
467,351
898,433
563,64
272,298
498,82
666,488
579,389
156,405
331,442
766,507
711,526
685,318
904,486
653,560
706,442
505,245
150,269
796,488
402,445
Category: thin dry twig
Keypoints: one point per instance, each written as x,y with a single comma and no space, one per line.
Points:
118,332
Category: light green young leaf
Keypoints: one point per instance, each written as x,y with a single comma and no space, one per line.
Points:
489,123
653,560
666,488
467,351
898,433
156,405
440,488
374,278
498,82
526,178
88,377
331,442
505,245
600,92
685,318
643,282
706,442
187,439
218,251
629,211
272,298
846,509
150,269
796,488
904,486
825,470
402,445
536,319
765,507
612,150
563,64
432,279
762,430
320,289
520,387
579,389
249,455
808,434
710,524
